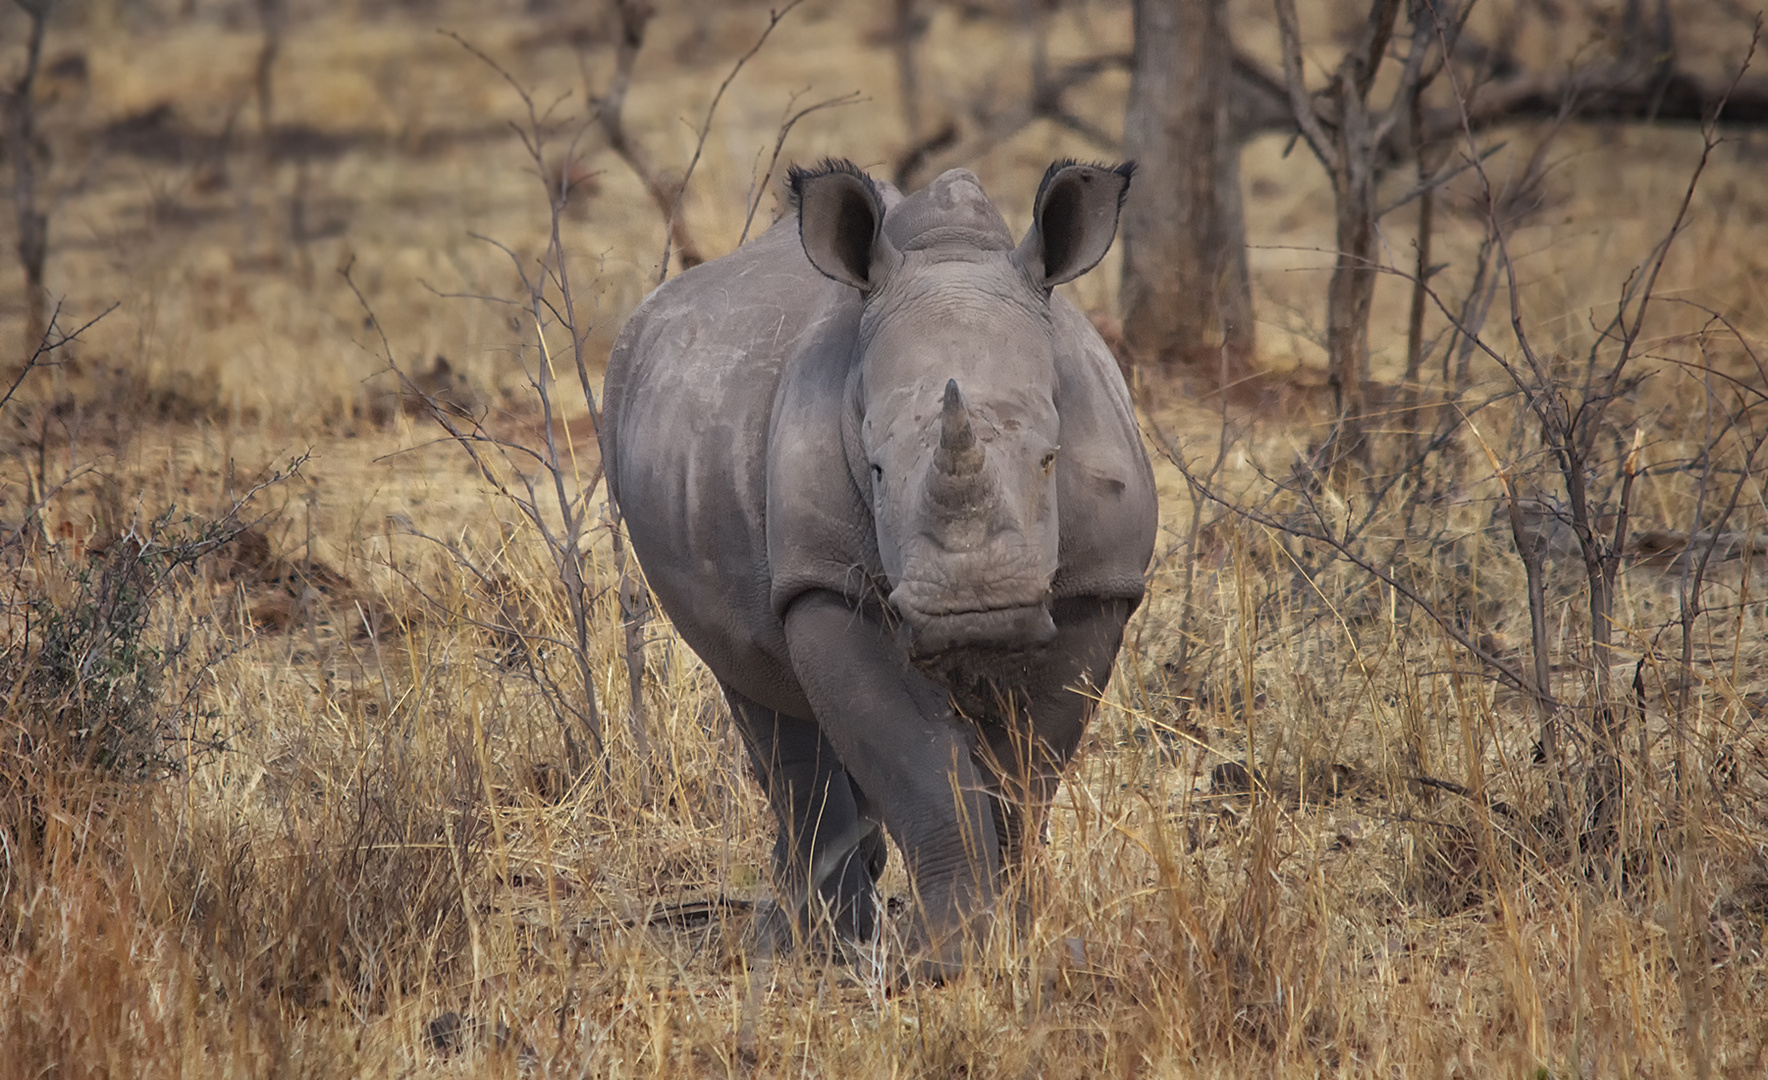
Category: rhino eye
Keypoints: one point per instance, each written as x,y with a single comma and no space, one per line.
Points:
877,474
1048,462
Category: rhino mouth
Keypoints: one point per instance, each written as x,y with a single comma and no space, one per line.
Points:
932,633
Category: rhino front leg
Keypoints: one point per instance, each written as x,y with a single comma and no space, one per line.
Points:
1029,745
829,845
896,734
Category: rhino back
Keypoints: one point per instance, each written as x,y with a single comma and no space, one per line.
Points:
687,410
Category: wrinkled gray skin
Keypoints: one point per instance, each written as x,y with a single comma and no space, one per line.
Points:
890,488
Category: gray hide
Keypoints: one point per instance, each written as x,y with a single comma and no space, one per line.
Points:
890,488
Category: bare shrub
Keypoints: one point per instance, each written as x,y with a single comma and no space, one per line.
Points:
1566,471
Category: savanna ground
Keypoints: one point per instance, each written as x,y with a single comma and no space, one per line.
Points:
282,781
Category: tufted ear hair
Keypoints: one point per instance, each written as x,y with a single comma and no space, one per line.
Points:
1074,220
840,220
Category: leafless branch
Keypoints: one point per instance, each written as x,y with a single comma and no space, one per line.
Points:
610,110
1046,101
563,547
48,343
1501,670
1301,104
1567,421
786,126
773,20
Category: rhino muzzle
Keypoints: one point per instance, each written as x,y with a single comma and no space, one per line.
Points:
998,628
1006,617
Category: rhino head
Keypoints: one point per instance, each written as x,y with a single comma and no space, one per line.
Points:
951,418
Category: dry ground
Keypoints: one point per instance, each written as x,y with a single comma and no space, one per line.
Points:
349,846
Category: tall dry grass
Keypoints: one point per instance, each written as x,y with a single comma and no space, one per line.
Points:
1306,835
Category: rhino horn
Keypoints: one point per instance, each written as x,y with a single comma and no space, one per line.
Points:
955,434
958,453
958,484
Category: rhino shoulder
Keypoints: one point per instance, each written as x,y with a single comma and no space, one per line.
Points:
1105,481
819,524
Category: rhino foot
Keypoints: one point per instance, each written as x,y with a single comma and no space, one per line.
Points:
773,934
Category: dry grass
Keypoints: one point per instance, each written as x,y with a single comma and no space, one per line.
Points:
356,853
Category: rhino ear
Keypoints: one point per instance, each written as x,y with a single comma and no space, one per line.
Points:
1074,220
840,215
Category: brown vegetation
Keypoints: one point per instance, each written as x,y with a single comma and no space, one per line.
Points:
286,782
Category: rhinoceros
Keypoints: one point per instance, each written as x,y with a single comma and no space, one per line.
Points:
891,489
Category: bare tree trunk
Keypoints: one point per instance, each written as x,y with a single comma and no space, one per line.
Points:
273,17
909,24
1186,294
1352,290
1410,417
21,138
1349,147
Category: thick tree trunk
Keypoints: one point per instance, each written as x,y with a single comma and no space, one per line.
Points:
1186,294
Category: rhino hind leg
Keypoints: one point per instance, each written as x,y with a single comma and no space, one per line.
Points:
829,845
